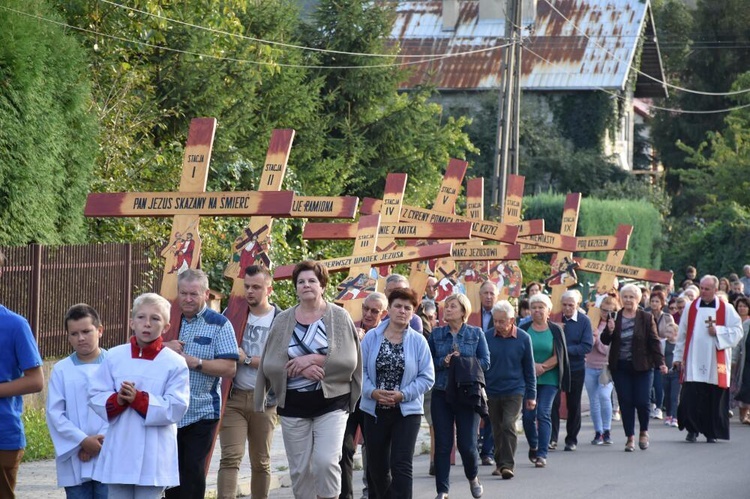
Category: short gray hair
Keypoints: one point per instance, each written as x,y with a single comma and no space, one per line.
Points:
633,289
541,297
396,278
504,306
379,297
193,275
572,293
712,278
489,283
428,306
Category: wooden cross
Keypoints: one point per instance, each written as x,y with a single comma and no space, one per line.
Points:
358,284
365,256
612,268
252,246
710,322
567,228
186,206
496,263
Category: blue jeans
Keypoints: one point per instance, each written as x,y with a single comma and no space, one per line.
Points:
634,394
537,424
600,399
671,382
466,421
87,490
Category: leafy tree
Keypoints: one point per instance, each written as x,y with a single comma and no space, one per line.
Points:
719,51
47,134
374,128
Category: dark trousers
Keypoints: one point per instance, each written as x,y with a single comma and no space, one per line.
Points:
573,401
487,449
194,442
634,394
391,438
349,448
504,412
658,386
446,417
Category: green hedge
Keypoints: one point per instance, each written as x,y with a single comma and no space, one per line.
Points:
601,217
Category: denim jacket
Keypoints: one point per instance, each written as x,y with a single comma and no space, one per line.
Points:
471,343
418,376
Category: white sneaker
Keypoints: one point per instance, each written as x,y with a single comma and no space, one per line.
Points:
674,423
616,416
667,421
658,414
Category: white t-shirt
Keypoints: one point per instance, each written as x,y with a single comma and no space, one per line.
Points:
253,341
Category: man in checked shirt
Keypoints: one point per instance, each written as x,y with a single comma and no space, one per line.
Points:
208,343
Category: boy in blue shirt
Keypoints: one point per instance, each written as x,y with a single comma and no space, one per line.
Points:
20,373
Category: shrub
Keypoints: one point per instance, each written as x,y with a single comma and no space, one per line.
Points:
38,442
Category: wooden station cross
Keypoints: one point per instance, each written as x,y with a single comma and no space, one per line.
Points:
498,263
561,259
362,281
612,268
252,245
365,256
186,207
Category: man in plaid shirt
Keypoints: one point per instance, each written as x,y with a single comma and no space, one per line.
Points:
208,343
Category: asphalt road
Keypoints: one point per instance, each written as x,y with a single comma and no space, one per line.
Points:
670,468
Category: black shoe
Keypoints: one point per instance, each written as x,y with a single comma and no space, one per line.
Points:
532,456
552,445
691,437
488,461
570,447
710,440
606,438
431,472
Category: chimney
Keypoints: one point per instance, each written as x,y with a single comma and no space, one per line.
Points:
450,15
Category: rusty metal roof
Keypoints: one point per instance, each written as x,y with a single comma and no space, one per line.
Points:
565,59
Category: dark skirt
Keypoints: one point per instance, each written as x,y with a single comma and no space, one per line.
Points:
704,408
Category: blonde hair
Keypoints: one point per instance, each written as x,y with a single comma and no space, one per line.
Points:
463,301
161,303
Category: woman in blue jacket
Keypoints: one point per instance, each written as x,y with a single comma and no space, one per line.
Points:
455,339
397,371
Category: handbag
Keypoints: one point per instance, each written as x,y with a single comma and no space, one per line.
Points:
605,377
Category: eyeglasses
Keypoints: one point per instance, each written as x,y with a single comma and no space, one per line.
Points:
370,310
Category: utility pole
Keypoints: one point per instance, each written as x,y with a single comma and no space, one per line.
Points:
508,118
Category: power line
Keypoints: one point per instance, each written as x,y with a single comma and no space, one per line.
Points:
234,59
697,92
291,45
652,106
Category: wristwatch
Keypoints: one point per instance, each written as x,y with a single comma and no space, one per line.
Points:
199,367
248,360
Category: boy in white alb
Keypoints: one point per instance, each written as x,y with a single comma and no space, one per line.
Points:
77,432
142,389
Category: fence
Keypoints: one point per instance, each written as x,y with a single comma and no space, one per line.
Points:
41,282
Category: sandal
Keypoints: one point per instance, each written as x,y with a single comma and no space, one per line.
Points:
643,440
630,445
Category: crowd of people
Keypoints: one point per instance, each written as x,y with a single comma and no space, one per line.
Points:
139,420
